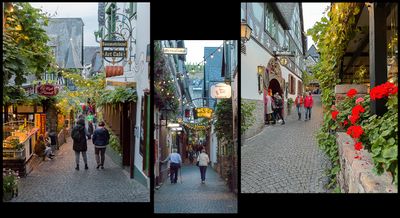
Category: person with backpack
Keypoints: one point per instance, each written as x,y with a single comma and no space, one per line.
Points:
279,106
299,102
101,138
78,135
308,103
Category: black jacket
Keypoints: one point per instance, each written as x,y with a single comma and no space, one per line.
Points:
80,143
101,137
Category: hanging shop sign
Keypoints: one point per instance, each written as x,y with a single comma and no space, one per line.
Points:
204,112
221,90
47,90
114,71
114,51
175,50
123,84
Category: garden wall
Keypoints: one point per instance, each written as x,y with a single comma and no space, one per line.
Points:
356,175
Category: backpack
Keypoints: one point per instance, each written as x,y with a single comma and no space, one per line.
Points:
75,134
278,102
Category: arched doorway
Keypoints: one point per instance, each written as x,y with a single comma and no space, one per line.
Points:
273,80
275,87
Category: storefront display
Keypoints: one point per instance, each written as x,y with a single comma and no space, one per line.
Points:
19,138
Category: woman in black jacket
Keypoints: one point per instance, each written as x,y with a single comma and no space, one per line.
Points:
78,135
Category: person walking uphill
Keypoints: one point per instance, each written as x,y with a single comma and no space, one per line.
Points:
299,103
175,163
101,138
203,160
78,135
308,103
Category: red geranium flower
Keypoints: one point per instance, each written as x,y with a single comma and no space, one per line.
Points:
357,109
358,146
353,118
383,90
351,93
345,122
334,114
355,131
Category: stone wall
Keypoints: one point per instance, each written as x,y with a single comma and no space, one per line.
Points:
341,91
258,125
356,175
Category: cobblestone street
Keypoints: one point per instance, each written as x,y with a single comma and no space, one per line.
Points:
193,197
57,181
286,158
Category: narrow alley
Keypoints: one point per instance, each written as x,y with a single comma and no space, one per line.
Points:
190,196
57,180
286,158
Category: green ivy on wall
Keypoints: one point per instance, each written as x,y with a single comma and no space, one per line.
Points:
332,37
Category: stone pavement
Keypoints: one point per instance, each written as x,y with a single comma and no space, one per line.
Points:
57,181
193,197
286,158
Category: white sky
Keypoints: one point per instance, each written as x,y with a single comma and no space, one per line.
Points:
195,49
86,11
312,12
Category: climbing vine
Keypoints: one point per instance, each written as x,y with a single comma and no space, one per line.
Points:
164,84
332,37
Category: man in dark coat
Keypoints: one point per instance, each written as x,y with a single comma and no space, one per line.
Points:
78,135
101,138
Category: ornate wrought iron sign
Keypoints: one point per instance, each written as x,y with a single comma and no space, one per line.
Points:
114,51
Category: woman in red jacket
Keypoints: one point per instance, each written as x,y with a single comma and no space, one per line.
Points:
299,104
308,103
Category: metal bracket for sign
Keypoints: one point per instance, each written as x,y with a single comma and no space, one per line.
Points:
124,32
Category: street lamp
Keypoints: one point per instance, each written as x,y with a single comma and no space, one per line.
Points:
260,70
245,31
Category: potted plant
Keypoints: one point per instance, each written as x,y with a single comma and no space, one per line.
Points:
289,103
10,184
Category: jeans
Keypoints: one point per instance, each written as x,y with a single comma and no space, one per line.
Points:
99,154
203,170
47,151
84,156
299,111
308,113
174,172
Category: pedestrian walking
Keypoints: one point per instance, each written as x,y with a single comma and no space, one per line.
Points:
299,103
41,149
203,160
279,107
101,138
90,130
78,135
268,108
175,163
308,104
95,121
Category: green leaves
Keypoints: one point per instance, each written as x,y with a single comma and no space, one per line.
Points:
119,95
247,116
223,123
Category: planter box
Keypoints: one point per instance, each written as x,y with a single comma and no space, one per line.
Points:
13,154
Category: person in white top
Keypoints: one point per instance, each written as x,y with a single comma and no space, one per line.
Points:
203,160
